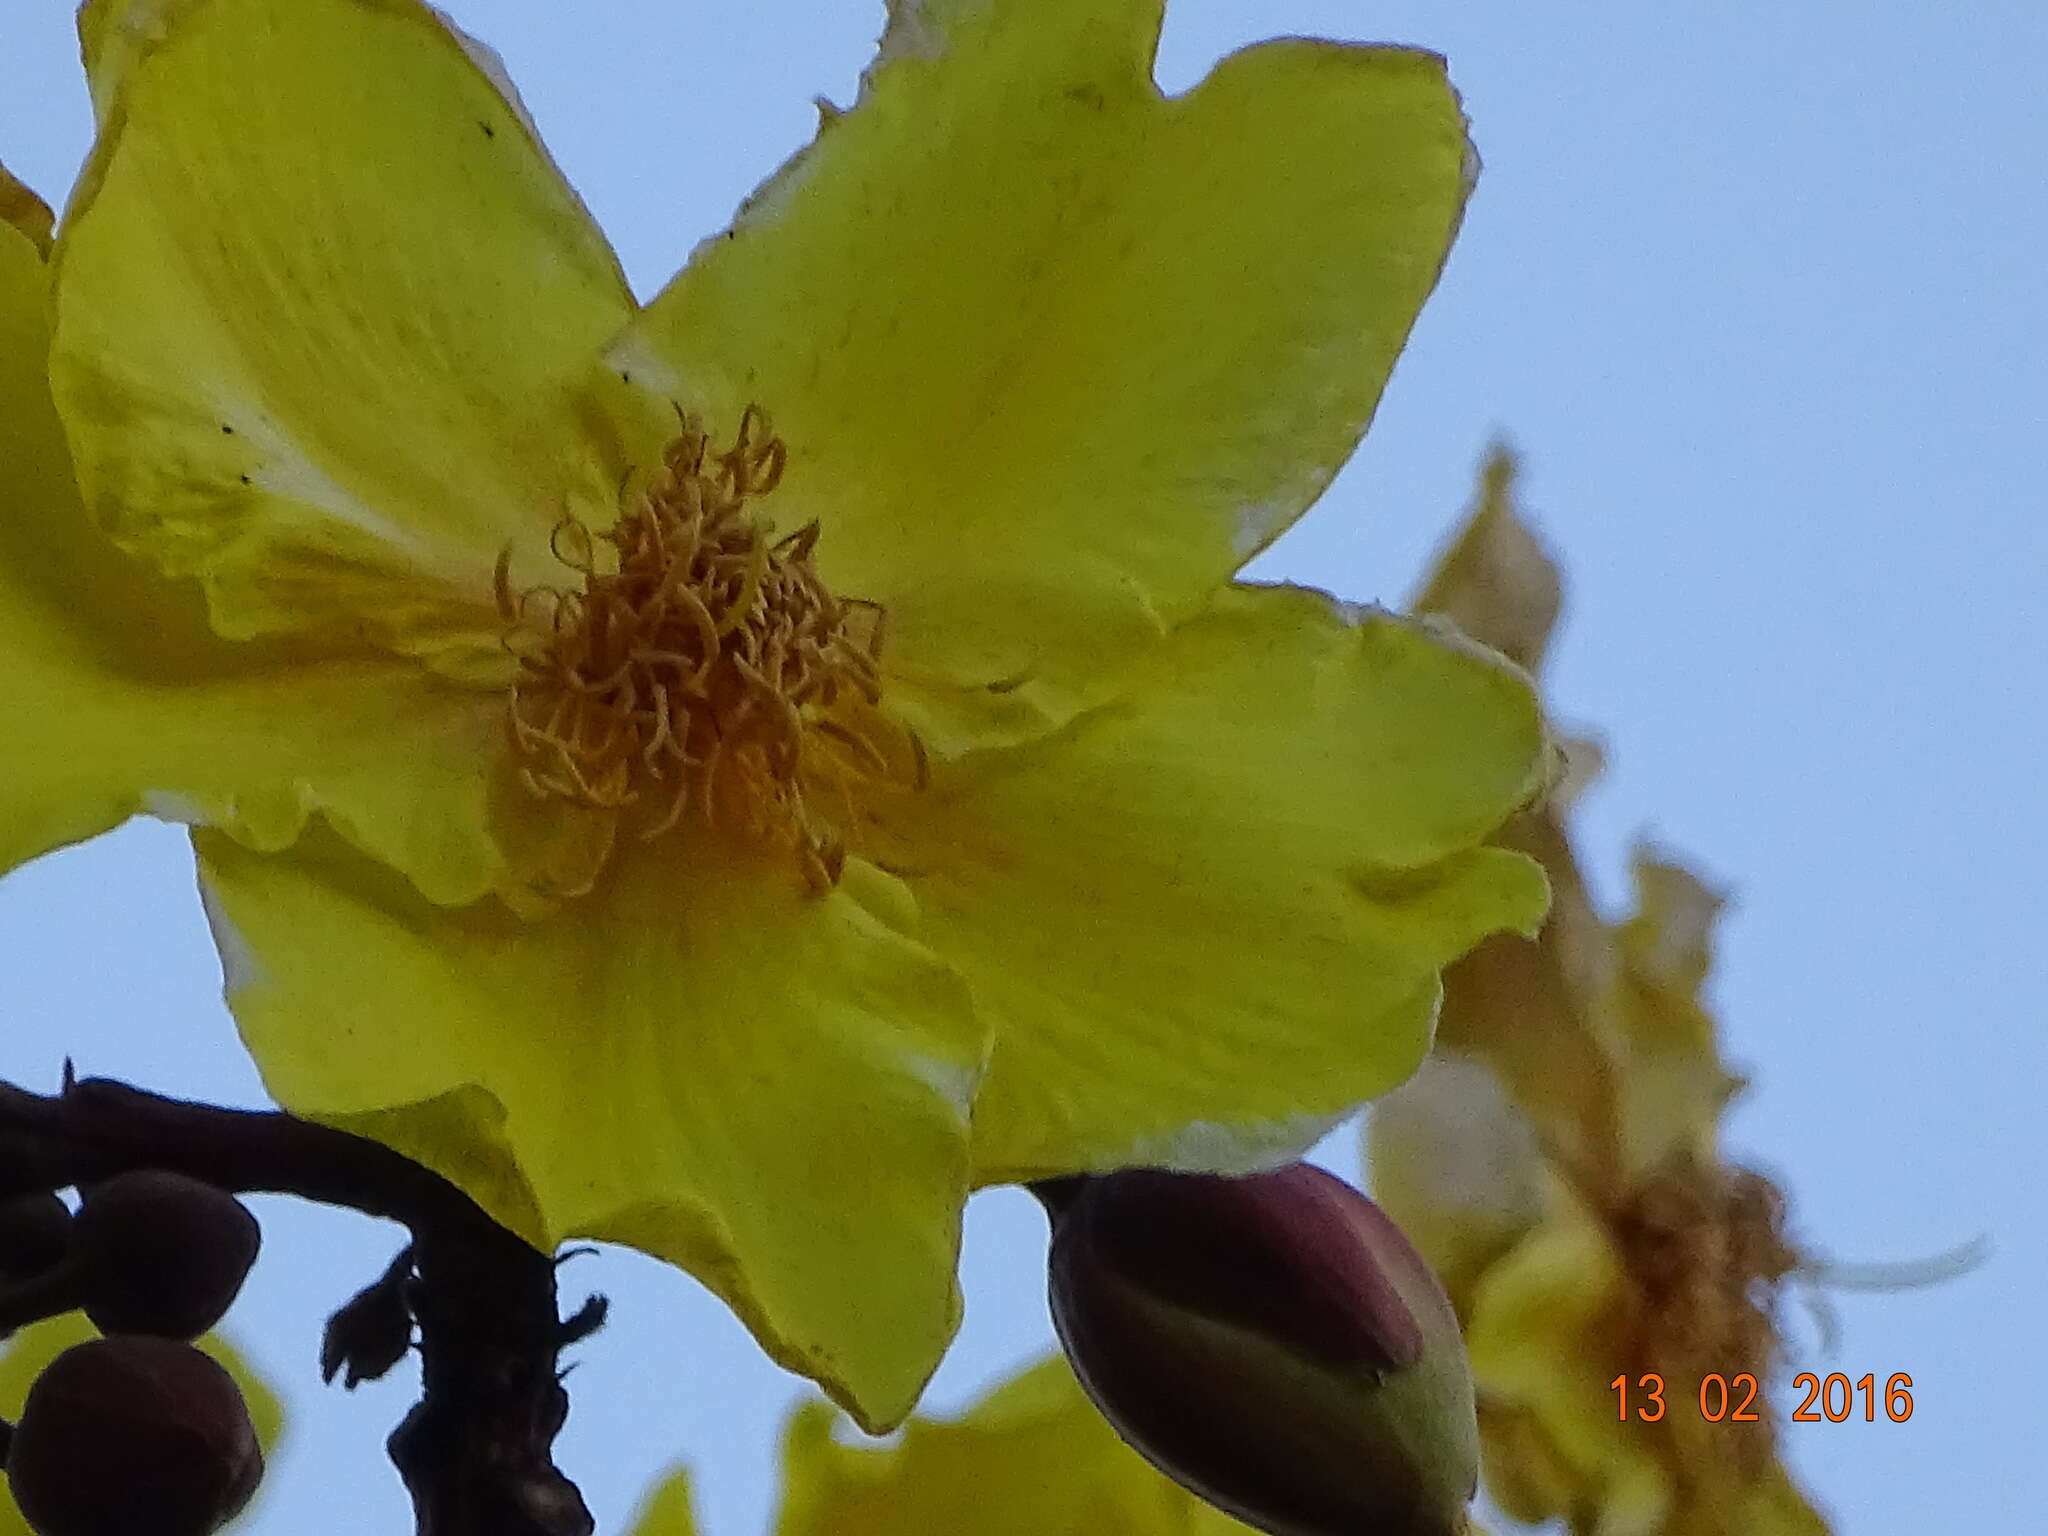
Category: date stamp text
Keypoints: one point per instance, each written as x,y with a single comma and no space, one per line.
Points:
1831,1399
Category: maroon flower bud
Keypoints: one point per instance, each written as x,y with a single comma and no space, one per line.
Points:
1272,1343
148,1252
161,1253
133,1436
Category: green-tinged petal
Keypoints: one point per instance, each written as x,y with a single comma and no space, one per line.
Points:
669,1510
1764,1502
1458,1166
322,306
119,698
1207,919
767,1087
1677,1083
1054,354
1542,1341
1033,1458
22,210
23,1357
1495,581
1521,1470
1525,1008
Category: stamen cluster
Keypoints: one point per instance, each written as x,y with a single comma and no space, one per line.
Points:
702,667
1706,1248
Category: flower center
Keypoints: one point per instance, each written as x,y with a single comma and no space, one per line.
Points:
1707,1250
700,667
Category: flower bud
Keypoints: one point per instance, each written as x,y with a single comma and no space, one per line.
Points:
161,1253
1272,1343
34,1232
133,1436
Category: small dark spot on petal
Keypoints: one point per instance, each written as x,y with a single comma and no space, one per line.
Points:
227,430
489,131
625,377
245,479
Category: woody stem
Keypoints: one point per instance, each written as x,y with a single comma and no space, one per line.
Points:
475,1451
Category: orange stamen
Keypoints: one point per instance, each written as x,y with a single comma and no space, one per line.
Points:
704,666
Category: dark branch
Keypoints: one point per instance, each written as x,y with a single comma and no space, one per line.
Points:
475,1451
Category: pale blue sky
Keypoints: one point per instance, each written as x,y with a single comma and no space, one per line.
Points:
1756,289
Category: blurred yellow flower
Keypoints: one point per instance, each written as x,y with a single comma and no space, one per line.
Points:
1031,1458
668,1508
730,776
1558,1160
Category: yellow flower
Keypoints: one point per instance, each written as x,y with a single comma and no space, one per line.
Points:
730,777
1558,1161
23,1357
1031,1458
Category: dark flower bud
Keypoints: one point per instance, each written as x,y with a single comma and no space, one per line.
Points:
133,1436
34,1232
1272,1343
161,1253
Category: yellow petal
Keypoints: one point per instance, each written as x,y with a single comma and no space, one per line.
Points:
1032,1458
1543,1342
766,1087
1668,944
1521,1470
1675,1085
1532,1011
119,698
1208,918
1495,581
1458,1166
23,1357
668,1510
28,214
1054,354
322,305
1762,1502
